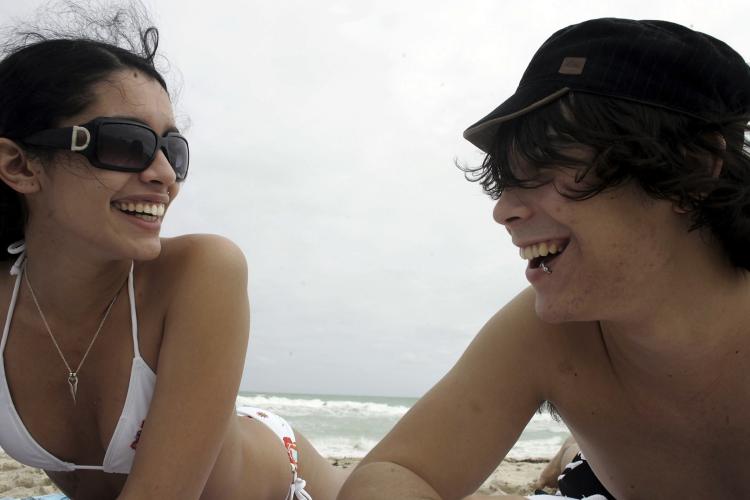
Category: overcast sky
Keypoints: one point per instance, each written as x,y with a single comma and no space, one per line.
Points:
323,137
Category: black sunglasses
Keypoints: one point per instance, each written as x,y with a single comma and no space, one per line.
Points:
117,144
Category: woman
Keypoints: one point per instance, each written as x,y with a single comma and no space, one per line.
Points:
122,351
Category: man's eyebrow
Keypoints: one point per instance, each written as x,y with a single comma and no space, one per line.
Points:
171,128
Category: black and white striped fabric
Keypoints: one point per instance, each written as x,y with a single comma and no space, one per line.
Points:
579,481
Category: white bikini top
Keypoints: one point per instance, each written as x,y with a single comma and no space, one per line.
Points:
19,444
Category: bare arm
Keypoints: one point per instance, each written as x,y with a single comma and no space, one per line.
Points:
199,369
453,438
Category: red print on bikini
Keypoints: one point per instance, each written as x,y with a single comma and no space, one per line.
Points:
291,449
134,444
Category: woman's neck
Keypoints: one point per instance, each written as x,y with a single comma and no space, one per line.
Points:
70,281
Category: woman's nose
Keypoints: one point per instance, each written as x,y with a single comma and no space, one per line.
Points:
160,170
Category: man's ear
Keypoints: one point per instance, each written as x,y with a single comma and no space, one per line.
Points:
714,165
718,163
15,168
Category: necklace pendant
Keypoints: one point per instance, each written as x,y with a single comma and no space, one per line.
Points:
72,375
73,383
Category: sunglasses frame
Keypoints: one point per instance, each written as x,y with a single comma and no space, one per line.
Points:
69,138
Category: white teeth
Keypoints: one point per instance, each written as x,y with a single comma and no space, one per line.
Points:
151,210
540,250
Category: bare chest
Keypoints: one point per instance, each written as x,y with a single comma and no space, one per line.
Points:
649,445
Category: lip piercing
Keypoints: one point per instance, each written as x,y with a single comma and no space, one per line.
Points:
545,268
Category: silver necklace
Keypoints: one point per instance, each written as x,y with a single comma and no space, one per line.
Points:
72,374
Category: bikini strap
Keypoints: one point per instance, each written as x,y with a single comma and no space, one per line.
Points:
133,315
19,247
297,489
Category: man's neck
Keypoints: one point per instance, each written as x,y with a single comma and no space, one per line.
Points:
688,340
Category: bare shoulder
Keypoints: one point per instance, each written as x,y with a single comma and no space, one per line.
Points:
482,404
517,329
186,266
198,249
201,281
551,349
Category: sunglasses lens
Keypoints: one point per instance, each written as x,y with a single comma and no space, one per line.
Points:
125,146
178,155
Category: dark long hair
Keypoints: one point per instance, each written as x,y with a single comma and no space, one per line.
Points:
664,152
47,76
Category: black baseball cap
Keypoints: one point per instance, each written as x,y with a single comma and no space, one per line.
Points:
658,63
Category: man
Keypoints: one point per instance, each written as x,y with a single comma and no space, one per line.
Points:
620,172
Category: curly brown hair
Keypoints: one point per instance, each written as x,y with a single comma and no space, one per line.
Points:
663,151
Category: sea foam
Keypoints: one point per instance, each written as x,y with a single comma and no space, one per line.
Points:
350,426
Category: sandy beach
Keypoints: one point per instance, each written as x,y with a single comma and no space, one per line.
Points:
17,480
513,476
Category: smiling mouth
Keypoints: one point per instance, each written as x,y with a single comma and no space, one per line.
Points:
543,253
149,212
536,262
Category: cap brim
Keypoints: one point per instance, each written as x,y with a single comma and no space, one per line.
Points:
482,133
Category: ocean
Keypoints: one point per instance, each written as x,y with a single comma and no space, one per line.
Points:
349,426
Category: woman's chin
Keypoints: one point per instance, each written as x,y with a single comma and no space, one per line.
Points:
147,250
